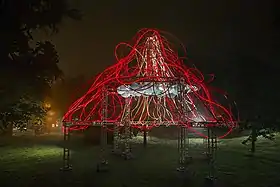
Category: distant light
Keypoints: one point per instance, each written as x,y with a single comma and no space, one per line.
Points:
47,105
53,125
51,113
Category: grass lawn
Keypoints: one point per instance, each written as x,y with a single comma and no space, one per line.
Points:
35,161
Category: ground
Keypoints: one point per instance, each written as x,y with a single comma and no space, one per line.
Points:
35,161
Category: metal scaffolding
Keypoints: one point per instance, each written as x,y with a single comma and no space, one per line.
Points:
127,130
183,136
183,143
66,150
122,140
211,153
116,140
103,162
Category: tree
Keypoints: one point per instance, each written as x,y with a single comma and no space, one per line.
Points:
27,72
21,113
20,18
259,127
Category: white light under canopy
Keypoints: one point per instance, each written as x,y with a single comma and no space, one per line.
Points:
153,89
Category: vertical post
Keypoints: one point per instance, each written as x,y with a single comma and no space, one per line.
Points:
187,145
182,148
66,150
116,140
130,135
208,143
183,138
103,162
127,130
145,136
205,145
212,150
186,133
254,138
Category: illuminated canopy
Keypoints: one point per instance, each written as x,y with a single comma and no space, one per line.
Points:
153,89
164,89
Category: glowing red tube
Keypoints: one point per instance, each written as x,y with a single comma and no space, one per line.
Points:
149,74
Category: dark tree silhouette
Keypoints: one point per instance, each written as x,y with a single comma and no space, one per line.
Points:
27,73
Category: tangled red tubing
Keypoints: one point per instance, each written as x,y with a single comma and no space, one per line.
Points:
153,86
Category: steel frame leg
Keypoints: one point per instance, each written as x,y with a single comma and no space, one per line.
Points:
205,147
66,151
116,141
103,162
127,142
145,137
183,145
127,130
211,154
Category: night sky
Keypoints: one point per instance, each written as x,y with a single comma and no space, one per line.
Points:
214,32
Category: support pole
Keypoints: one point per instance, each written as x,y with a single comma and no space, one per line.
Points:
182,148
205,146
145,136
212,150
66,151
187,145
116,140
103,162
127,130
183,136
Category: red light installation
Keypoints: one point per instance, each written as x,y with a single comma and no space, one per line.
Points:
157,87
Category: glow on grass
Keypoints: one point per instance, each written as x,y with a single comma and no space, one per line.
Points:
35,152
165,141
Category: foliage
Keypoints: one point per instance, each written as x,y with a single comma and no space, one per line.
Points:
30,85
31,74
20,18
266,133
28,71
22,112
260,128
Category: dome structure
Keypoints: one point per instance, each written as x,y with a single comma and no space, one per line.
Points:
149,85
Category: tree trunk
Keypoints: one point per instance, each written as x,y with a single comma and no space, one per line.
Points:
2,128
145,138
9,130
254,139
